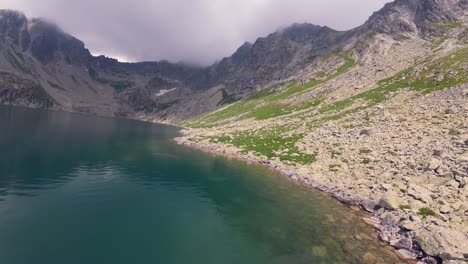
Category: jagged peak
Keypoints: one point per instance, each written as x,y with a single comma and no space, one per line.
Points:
4,13
415,16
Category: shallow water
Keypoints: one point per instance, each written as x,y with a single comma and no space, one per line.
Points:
83,189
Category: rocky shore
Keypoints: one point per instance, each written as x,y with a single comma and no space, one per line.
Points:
414,180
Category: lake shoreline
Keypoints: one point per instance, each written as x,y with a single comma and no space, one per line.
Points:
387,231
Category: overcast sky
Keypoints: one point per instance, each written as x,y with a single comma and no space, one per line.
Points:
196,31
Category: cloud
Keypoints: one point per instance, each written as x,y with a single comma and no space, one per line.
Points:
196,31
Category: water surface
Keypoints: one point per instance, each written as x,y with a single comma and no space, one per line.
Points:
82,189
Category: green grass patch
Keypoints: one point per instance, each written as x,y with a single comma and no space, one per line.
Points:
449,66
268,100
425,212
366,161
121,85
405,207
447,26
269,111
271,143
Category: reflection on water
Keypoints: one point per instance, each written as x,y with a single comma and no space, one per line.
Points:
81,189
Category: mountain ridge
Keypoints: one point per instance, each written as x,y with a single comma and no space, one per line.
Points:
126,87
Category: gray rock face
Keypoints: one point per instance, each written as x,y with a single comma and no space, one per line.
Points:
15,90
416,16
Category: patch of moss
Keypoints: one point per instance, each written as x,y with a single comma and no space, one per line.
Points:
425,212
405,207
366,161
447,26
120,85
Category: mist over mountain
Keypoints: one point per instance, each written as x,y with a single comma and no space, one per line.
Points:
197,32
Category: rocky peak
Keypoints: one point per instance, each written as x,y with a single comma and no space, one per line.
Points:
13,24
416,16
305,33
49,42
242,53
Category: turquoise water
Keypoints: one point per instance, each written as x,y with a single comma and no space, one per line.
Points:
83,189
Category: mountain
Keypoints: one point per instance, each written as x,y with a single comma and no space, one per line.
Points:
42,66
55,70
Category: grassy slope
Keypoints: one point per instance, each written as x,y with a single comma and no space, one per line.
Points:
276,142
266,103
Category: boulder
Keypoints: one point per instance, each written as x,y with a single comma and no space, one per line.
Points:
462,158
445,209
390,201
449,111
420,193
433,164
365,132
443,242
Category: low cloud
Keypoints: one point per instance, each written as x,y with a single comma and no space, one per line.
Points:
195,31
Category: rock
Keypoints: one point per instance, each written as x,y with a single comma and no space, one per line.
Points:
438,241
415,218
365,132
454,132
437,153
386,187
442,170
444,209
420,193
433,164
462,181
411,225
390,218
402,243
319,251
390,201
406,254
401,186
449,111
456,206
369,258
462,158
380,211
429,260
368,205
453,183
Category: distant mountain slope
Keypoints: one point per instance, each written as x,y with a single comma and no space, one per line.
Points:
68,77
